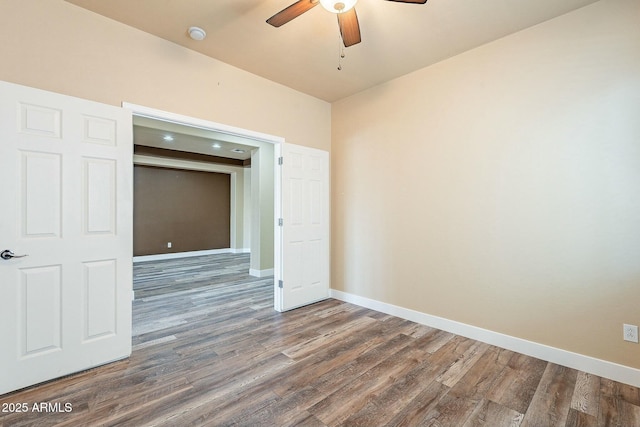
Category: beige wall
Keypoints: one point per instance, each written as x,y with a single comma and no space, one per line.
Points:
57,46
501,188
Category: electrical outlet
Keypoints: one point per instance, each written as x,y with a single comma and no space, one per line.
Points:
169,246
630,333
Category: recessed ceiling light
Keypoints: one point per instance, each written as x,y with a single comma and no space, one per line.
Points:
215,145
238,150
197,33
168,138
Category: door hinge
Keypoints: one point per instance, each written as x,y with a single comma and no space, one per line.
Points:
280,284
280,222
280,160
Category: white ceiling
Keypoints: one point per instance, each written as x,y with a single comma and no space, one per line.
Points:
153,133
303,54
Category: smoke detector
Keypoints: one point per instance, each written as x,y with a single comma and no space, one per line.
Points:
197,33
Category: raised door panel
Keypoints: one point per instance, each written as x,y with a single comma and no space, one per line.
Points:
99,196
40,310
40,121
100,299
41,193
98,130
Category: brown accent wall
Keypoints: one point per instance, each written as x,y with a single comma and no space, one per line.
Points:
190,209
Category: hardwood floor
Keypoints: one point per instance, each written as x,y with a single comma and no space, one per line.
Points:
209,350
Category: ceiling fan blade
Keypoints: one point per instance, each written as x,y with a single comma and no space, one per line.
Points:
349,27
291,12
410,1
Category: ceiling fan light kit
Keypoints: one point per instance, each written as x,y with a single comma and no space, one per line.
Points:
344,9
338,6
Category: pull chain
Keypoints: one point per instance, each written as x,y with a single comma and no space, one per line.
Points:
340,52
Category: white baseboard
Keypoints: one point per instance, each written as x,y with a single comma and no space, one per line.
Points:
261,273
591,365
240,250
161,257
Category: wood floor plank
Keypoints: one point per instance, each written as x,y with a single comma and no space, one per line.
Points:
418,331
343,373
489,414
332,357
586,395
433,339
311,346
552,400
420,409
465,400
337,407
452,411
620,391
580,419
617,407
209,350
517,383
216,408
383,407
482,373
460,367
290,410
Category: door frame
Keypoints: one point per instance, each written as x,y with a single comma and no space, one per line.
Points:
276,141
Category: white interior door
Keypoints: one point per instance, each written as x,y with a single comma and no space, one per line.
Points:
66,202
302,241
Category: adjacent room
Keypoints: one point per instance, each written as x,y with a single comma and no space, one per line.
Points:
192,198
484,169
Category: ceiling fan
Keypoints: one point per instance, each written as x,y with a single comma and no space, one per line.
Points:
344,9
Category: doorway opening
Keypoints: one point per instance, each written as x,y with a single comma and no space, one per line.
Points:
252,215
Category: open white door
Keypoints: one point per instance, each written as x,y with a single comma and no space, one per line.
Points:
66,198
302,233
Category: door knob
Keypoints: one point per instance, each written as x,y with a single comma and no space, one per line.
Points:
7,254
